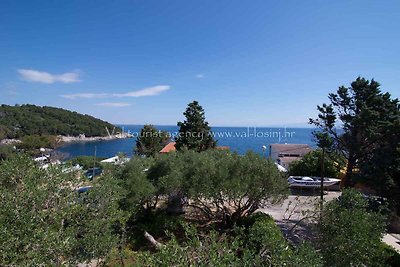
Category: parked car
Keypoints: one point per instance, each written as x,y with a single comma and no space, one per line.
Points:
93,172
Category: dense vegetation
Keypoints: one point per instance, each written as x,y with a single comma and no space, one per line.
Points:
45,222
370,141
235,186
18,121
310,165
6,151
32,142
256,242
199,206
150,141
348,227
86,162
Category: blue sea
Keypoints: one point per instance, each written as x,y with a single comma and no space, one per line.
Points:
239,139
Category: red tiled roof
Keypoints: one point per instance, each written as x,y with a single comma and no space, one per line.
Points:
168,148
171,147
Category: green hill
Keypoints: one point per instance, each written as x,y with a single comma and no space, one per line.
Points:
21,120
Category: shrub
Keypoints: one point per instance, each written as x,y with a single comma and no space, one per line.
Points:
260,244
265,239
310,165
6,151
86,162
31,142
219,185
44,222
350,235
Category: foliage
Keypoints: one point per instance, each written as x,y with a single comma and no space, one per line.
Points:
217,184
370,141
17,121
32,142
6,151
228,186
391,255
45,222
266,238
310,165
157,222
140,192
231,249
4,131
150,141
86,162
350,235
194,132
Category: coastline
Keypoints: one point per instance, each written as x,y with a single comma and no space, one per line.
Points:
65,139
83,138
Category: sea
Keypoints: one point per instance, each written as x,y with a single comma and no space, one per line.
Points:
238,139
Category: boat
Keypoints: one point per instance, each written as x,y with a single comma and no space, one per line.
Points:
280,167
310,182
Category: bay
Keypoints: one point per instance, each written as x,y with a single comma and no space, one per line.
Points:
239,139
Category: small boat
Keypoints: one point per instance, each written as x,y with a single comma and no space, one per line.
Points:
310,182
280,167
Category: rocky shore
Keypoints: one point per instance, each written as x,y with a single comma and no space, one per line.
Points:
83,138
70,139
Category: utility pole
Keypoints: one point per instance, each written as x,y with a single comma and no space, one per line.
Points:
322,175
94,161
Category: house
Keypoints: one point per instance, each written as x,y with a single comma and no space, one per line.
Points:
171,147
284,154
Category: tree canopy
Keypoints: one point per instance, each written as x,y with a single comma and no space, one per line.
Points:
44,221
364,124
218,185
194,132
310,164
150,141
350,234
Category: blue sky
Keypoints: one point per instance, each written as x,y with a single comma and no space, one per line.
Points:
249,63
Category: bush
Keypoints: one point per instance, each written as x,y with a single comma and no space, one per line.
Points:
235,186
392,257
265,239
44,222
31,142
310,165
86,162
350,235
259,244
6,151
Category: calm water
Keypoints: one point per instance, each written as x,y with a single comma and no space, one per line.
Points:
239,139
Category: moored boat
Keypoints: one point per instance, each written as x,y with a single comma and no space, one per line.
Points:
310,182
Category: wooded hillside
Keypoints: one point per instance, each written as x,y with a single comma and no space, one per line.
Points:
20,120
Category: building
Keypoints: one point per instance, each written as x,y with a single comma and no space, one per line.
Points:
171,147
284,154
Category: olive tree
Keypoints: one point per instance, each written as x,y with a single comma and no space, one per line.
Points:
219,185
44,221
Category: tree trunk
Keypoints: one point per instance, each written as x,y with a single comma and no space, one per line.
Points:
348,180
152,240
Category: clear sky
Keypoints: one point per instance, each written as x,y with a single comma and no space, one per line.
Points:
248,63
